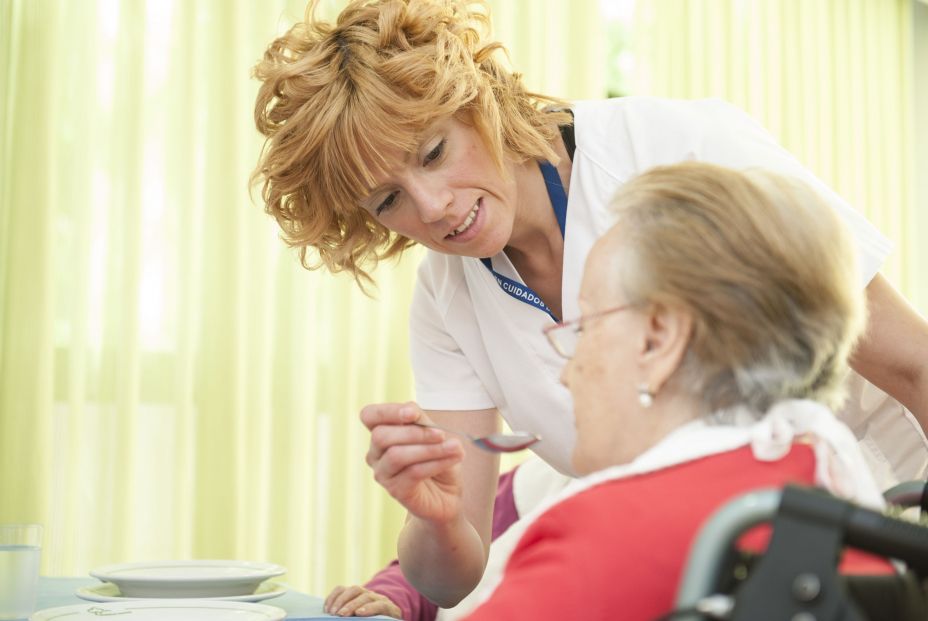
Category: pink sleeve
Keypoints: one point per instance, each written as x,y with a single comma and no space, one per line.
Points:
504,507
390,581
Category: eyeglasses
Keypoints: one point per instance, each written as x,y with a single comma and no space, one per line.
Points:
565,335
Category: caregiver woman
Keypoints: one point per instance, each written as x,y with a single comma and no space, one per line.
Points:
397,125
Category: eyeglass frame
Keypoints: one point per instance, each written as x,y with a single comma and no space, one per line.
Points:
550,331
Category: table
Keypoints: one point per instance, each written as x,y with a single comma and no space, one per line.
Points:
299,606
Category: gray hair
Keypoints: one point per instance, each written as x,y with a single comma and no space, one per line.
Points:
764,266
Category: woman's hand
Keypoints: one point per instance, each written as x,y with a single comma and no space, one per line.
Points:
418,466
443,544
359,602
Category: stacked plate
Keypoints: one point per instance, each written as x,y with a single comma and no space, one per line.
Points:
230,580
185,590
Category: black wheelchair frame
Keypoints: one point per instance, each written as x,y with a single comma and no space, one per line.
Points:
797,578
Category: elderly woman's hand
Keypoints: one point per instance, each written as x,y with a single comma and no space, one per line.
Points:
359,602
418,466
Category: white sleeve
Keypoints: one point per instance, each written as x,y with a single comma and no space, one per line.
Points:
444,377
715,131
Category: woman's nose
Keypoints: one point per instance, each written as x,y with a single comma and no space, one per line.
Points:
433,202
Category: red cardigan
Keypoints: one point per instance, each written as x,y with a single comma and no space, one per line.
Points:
617,550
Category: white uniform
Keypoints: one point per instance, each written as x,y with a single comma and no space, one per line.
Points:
475,347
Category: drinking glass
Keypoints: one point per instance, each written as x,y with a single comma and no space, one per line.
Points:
20,546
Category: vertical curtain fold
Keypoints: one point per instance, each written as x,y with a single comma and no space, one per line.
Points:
918,44
26,386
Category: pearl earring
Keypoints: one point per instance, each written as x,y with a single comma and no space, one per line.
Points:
645,396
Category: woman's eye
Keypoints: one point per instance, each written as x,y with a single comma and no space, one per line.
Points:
388,202
435,153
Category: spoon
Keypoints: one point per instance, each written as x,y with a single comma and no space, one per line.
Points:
495,442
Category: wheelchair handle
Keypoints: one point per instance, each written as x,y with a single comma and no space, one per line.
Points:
886,536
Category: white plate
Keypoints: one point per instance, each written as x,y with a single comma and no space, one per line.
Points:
187,578
166,610
109,592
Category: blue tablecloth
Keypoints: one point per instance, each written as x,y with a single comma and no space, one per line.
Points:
55,592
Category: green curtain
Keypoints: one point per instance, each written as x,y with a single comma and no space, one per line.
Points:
172,383
832,79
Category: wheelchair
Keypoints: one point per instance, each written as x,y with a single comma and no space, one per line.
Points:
797,578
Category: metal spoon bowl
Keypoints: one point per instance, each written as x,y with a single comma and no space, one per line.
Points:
494,442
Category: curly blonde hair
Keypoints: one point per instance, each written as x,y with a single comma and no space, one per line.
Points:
766,269
335,97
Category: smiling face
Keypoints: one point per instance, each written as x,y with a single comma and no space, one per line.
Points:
448,195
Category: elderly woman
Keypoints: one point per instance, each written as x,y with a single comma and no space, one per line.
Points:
717,319
398,124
